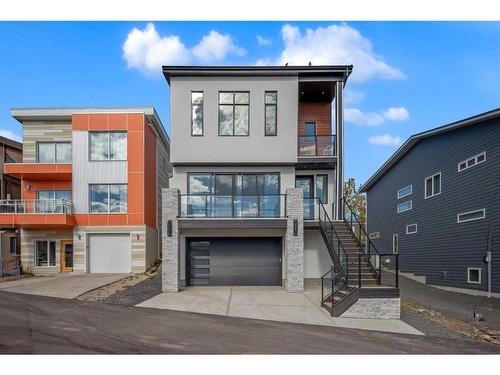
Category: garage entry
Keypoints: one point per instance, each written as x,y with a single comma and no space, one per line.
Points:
110,253
234,261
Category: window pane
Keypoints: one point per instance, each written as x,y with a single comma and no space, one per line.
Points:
196,98
471,162
474,276
480,158
99,146
118,198
270,206
271,97
197,116
249,184
223,184
199,184
241,120
41,253
63,152
270,120
225,98
471,216
463,165
405,191
428,187
310,128
46,153
321,188
437,184
242,98
99,198
118,146
63,194
271,184
226,120
52,253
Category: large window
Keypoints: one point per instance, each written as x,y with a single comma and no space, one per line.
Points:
108,146
471,216
433,185
53,152
234,108
471,162
404,192
108,198
271,115
322,188
45,253
196,113
52,201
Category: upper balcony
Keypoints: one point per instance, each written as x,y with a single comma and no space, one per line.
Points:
316,145
39,171
36,213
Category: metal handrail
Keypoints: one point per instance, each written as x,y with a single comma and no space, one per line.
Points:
35,206
308,145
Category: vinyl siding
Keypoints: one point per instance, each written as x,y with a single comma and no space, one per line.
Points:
443,249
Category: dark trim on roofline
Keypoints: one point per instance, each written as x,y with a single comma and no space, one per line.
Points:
410,142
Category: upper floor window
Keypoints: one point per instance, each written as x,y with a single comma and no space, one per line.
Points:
108,198
471,162
53,152
405,206
108,145
433,185
404,192
471,215
196,113
271,108
234,113
310,128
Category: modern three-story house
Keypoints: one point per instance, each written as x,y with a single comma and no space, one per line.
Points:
254,150
437,202
91,181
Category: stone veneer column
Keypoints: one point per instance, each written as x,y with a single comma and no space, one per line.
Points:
294,245
170,245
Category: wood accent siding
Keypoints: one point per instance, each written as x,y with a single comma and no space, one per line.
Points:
43,131
320,113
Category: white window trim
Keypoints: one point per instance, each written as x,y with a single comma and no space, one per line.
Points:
470,212
480,275
440,186
403,188
409,225
408,209
476,163
374,235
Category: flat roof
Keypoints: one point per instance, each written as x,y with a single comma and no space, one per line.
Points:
55,113
410,142
340,71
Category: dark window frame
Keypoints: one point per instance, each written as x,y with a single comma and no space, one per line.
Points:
13,253
109,145
325,201
55,152
315,129
234,106
234,174
275,105
202,112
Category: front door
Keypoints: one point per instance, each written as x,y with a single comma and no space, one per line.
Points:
307,185
66,256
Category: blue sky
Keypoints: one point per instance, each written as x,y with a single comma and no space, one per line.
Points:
408,76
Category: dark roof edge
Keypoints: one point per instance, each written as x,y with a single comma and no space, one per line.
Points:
11,142
410,142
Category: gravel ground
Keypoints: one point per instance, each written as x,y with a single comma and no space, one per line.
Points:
137,293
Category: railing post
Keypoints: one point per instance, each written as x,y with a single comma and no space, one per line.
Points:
397,270
359,271
379,270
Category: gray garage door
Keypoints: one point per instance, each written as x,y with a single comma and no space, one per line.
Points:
238,261
110,253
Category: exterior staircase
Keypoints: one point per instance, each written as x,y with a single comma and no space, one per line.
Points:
356,263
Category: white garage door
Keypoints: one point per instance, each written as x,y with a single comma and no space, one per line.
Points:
110,253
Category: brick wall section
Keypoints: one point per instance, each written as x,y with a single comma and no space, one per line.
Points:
294,245
170,245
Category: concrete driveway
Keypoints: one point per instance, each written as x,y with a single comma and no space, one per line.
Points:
63,285
267,303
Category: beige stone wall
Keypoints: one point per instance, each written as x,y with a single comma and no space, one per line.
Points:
43,131
164,169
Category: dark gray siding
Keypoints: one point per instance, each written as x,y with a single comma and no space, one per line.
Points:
443,249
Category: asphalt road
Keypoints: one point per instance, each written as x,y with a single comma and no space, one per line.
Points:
35,324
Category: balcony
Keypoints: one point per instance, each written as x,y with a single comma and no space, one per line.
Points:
39,171
36,213
316,145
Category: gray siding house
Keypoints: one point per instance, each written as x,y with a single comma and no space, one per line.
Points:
437,201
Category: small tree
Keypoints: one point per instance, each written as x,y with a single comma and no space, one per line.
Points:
356,200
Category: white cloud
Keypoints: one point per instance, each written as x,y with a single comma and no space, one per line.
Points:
335,44
397,114
10,134
215,46
353,96
384,140
261,41
147,51
356,116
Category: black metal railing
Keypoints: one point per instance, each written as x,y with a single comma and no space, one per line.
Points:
232,206
316,145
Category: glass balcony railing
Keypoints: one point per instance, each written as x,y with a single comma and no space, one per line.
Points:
232,206
316,145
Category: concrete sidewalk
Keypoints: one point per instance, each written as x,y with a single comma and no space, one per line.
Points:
267,303
62,285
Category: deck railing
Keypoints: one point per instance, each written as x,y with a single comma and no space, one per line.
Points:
316,145
35,206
